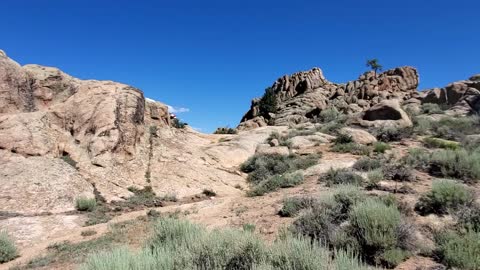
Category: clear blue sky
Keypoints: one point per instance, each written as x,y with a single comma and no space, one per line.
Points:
213,57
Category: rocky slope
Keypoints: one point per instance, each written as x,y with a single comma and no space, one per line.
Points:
62,138
302,96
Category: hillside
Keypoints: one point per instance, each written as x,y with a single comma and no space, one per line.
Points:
317,175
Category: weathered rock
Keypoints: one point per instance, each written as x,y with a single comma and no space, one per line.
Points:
302,142
256,122
359,135
385,113
265,149
463,97
302,96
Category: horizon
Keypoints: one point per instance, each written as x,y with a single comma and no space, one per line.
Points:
208,60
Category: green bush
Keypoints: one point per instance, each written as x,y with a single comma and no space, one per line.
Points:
209,192
440,143
398,172
422,125
178,244
343,138
323,218
469,216
332,128
262,167
176,123
85,204
367,164
452,128
268,103
292,206
391,134
376,224
341,177
225,130
459,250
374,177
381,147
330,115
353,148
393,257
282,140
275,182
431,108
445,195
8,251
460,164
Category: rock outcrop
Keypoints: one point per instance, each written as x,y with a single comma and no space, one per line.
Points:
461,97
302,96
79,137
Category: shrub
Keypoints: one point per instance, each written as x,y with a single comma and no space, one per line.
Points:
341,177
417,157
390,134
322,220
367,164
452,128
353,148
248,227
8,251
225,130
331,128
209,192
460,251
381,147
343,138
317,223
275,182
440,143
374,177
268,103
330,115
422,125
399,172
292,206
393,257
85,204
431,108
262,167
445,195
178,244
176,123
460,164
282,140
375,224
469,216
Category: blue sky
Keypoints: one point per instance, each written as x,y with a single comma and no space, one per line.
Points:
213,57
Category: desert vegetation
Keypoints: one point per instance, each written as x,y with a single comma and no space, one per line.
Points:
8,250
268,173
177,244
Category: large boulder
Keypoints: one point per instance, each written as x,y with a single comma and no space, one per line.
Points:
385,113
359,135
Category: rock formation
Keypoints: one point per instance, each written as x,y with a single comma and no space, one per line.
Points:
462,97
302,96
109,136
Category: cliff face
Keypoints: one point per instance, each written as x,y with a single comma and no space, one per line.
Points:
302,96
